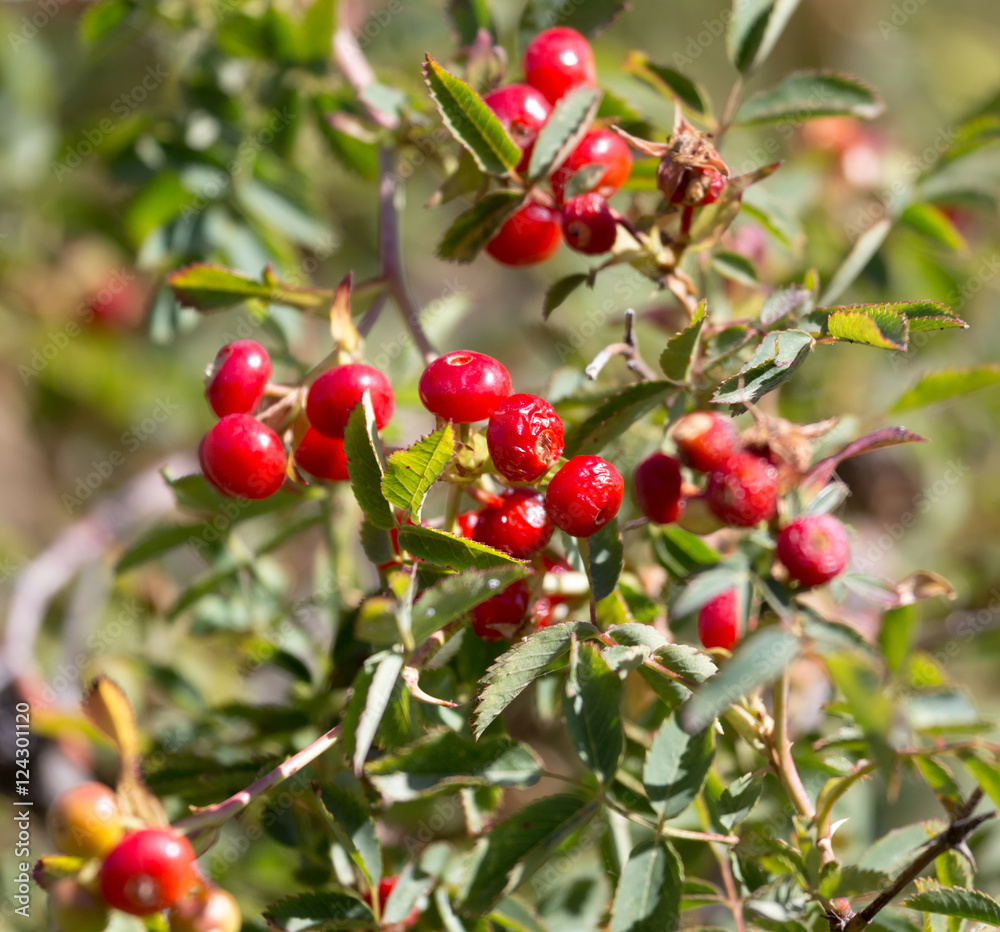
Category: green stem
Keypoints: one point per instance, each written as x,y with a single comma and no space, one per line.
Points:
583,544
784,764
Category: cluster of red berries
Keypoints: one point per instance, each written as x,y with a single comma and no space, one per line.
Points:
525,438
555,62
244,458
741,491
141,872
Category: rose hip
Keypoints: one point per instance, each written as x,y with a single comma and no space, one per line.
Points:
598,147
718,621
500,617
523,110
584,495
149,870
525,437
588,224
463,386
243,458
239,375
558,60
657,488
334,394
814,549
530,236
705,440
518,524
322,457
743,491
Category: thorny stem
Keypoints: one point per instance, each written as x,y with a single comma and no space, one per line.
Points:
781,752
391,253
961,826
218,813
825,804
628,348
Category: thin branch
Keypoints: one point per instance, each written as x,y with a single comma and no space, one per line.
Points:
218,813
628,348
781,748
391,253
354,66
961,827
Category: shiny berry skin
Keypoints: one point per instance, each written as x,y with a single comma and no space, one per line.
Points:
525,437
518,524
243,458
149,870
463,386
239,375
718,621
705,440
73,908
584,495
322,457
588,224
85,821
657,488
814,549
530,236
523,111
558,60
385,887
744,491
499,618
603,147
208,910
334,394
467,522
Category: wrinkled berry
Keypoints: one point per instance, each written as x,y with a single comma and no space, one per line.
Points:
525,437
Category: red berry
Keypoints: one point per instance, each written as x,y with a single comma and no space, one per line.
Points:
525,437
705,440
744,491
120,304
517,524
523,111
588,224
148,871
657,488
814,549
584,495
239,374
85,821
208,910
558,60
718,621
385,887
531,235
463,386
334,394
322,457
467,522
243,458
601,147
500,618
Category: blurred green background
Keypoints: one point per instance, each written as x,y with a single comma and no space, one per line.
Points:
136,137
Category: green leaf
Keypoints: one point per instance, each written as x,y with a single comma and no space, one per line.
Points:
934,224
470,121
444,549
364,464
211,287
607,559
707,585
516,669
351,821
881,328
943,384
588,18
773,363
593,712
985,772
614,416
760,659
467,17
682,552
410,473
675,360
514,848
964,904
570,118
458,594
159,541
560,290
736,267
805,95
676,767
376,701
781,302
648,895
755,27
337,909
738,799
100,19
667,81
474,228
444,760
855,676
861,254
316,33
895,636
583,180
